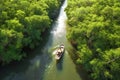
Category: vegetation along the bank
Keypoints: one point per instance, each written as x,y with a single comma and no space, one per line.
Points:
22,23
94,29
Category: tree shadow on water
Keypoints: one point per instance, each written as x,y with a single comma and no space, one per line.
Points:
59,63
31,67
79,68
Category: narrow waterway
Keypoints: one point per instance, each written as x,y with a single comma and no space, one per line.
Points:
41,65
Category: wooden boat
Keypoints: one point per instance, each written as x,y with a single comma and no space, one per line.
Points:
60,52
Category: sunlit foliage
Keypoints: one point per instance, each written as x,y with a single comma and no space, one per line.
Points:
94,29
22,23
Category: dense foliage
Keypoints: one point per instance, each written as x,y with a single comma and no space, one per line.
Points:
22,23
94,29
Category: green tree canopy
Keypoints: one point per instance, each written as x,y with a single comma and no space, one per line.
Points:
22,23
94,29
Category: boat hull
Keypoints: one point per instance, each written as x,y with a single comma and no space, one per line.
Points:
60,52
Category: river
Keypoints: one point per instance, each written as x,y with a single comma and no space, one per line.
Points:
41,65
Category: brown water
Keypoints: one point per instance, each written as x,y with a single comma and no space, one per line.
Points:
41,65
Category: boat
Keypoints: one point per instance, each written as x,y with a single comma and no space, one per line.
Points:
60,52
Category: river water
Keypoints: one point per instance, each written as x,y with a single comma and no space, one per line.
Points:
41,65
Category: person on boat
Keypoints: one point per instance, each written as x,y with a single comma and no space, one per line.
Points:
59,52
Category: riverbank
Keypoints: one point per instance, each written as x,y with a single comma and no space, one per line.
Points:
94,32
25,27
